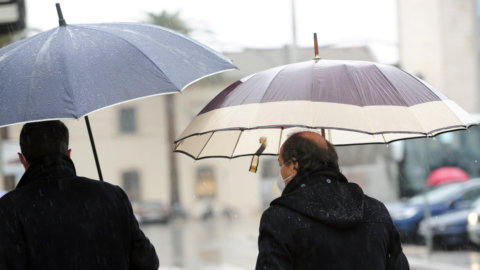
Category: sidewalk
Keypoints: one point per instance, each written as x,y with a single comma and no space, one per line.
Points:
420,259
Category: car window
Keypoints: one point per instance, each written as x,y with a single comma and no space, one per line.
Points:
471,195
439,194
476,203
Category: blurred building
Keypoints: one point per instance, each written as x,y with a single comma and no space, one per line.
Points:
12,16
133,146
439,42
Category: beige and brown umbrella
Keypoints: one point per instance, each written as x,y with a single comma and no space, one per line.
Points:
350,102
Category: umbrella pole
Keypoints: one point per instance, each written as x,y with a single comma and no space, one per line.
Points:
92,142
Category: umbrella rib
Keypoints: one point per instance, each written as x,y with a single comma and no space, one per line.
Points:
405,103
205,145
236,143
311,93
280,140
403,99
355,85
69,90
434,91
50,37
359,94
424,84
269,84
135,47
263,96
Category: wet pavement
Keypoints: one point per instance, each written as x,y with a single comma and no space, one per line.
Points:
214,244
231,244
421,259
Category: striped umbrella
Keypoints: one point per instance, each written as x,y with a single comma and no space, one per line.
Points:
350,102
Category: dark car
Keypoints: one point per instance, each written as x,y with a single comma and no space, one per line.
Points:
450,229
408,214
151,211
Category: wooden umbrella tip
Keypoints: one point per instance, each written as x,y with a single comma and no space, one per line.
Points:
315,43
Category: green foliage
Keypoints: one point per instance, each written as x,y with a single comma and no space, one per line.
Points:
170,20
11,37
5,40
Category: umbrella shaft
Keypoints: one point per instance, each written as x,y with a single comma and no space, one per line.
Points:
92,142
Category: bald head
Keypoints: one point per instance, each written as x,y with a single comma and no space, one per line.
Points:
314,137
310,151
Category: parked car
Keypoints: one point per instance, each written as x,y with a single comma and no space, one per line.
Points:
151,211
449,229
408,214
473,226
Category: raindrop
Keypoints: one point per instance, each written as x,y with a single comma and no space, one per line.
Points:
475,161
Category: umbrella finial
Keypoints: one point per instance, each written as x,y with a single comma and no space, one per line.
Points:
61,20
315,42
256,156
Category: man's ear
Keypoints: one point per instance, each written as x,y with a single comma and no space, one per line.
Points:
69,153
295,163
23,161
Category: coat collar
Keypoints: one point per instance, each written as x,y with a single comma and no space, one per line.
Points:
48,167
325,196
311,178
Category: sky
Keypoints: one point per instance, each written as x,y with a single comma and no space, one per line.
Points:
229,25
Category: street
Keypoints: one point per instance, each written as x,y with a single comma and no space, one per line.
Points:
218,243
231,244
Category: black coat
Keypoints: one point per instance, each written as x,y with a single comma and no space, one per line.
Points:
56,220
323,222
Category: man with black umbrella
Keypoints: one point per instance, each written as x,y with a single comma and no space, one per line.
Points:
55,219
321,221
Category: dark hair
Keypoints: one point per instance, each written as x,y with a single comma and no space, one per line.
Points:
39,139
309,155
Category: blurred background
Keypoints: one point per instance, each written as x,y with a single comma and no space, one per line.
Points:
202,214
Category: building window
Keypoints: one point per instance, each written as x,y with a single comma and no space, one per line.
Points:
128,123
131,184
205,186
4,133
8,182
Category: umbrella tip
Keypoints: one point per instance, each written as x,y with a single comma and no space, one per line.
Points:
315,43
61,20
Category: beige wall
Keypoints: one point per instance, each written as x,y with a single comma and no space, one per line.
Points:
437,39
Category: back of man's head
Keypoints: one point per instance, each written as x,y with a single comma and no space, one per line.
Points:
311,151
40,139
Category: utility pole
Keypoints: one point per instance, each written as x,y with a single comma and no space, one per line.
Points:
293,47
175,204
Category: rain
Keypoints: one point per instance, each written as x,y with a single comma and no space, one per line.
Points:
198,203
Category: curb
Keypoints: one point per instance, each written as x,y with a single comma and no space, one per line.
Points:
421,264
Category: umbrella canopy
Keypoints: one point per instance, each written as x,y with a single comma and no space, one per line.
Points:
352,102
72,70
445,175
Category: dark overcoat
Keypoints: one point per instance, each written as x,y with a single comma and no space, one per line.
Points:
54,219
323,222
